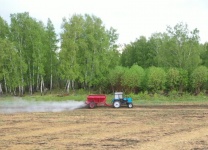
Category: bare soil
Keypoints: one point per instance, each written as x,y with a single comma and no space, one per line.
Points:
143,128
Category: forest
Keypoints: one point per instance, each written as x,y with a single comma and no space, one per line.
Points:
85,55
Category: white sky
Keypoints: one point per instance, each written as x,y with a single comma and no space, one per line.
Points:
131,18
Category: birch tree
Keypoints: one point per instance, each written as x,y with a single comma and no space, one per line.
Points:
51,52
18,27
9,66
4,32
180,48
69,48
29,35
86,46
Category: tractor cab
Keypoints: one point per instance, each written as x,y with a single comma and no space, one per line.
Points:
118,95
119,100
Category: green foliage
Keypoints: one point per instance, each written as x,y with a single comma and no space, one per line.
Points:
156,79
144,96
199,77
69,47
173,76
9,64
139,52
4,28
183,79
115,77
174,98
204,55
87,50
133,77
180,48
29,37
4,32
177,48
89,58
51,63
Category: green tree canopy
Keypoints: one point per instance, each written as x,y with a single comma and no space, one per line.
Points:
115,78
138,52
4,28
173,76
204,55
199,77
156,79
180,48
87,48
133,78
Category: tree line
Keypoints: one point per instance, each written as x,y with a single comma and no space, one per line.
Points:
88,58
157,79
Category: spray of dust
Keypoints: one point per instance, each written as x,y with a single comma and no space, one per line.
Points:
19,105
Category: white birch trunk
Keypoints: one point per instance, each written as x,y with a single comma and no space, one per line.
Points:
68,86
37,87
19,90
33,79
14,91
5,84
22,90
22,87
73,84
10,90
30,80
1,92
51,85
30,89
20,52
41,86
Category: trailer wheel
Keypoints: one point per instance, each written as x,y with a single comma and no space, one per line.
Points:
116,104
130,105
92,105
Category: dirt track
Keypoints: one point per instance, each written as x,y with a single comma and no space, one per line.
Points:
146,127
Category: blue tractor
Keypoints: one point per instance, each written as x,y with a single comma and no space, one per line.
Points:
120,100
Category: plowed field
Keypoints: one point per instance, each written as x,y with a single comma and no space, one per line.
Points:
143,128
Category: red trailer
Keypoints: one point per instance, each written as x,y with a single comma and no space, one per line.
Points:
96,100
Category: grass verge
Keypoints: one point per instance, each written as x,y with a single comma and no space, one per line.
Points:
138,99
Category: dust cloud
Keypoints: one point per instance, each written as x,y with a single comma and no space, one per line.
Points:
19,105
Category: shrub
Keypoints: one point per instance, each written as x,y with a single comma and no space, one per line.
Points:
156,79
199,78
133,77
173,78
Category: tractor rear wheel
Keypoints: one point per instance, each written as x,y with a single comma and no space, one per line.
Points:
92,105
116,104
130,105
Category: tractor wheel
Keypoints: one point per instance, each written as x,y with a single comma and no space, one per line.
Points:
92,105
116,104
130,105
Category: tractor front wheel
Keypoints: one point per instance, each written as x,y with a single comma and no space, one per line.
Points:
130,105
92,105
116,104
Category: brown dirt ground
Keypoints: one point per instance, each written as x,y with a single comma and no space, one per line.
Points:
143,128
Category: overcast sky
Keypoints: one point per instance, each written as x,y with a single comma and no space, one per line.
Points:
131,18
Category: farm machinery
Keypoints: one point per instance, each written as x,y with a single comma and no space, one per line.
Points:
100,100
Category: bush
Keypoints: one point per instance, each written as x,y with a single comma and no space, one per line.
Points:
156,79
133,78
199,78
172,78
